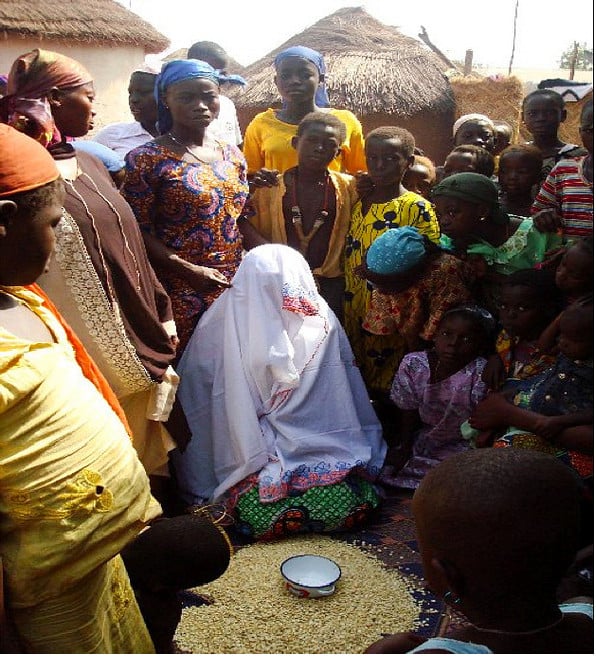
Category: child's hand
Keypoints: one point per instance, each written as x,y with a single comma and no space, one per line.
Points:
490,413
364,183
548,427
264,178
494,374
552,258
547,220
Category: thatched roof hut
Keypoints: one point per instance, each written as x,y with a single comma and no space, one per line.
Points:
92,21
107,38
499,98
381,75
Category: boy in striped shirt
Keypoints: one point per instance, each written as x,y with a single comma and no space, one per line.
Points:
566,199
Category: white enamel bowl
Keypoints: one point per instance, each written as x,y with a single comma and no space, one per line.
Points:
310,576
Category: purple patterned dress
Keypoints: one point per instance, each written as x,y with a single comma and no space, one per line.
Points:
443,407
192,207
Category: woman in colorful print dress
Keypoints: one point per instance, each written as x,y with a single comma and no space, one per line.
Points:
187,192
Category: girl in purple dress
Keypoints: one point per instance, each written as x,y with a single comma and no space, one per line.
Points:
436,391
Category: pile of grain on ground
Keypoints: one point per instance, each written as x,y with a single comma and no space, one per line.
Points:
254,613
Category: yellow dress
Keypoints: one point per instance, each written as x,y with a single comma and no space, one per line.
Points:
72,493
268,144
378,356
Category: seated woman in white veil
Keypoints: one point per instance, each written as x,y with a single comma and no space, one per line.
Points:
283,431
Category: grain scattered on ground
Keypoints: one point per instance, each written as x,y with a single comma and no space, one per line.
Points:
254,613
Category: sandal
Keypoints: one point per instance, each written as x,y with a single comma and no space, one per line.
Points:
216,512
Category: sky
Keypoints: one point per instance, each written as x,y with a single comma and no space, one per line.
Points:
249,29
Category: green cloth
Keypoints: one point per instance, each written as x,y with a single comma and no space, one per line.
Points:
323,509
525,249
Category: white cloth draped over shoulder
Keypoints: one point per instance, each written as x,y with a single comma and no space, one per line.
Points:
269,385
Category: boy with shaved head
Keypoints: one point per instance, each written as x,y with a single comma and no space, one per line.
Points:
497,530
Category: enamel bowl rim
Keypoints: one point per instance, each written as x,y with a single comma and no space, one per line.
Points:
310,587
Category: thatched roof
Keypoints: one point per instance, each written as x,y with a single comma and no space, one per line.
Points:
371,68
234,67
89,21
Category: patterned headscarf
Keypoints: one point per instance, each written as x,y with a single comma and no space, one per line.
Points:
31,78
176,71
314,57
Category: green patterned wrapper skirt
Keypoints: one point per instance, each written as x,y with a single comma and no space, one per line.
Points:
326,509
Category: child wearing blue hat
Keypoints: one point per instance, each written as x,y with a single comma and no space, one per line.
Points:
415,282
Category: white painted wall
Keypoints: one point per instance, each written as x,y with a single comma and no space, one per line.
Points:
110,65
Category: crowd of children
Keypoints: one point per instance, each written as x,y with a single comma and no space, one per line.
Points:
455,298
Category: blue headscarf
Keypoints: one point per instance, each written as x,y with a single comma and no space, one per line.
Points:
396,251
175,71
232,78
314,57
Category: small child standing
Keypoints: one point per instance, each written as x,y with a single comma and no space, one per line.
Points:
389,152
415,283
437,390
519,173
309,209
